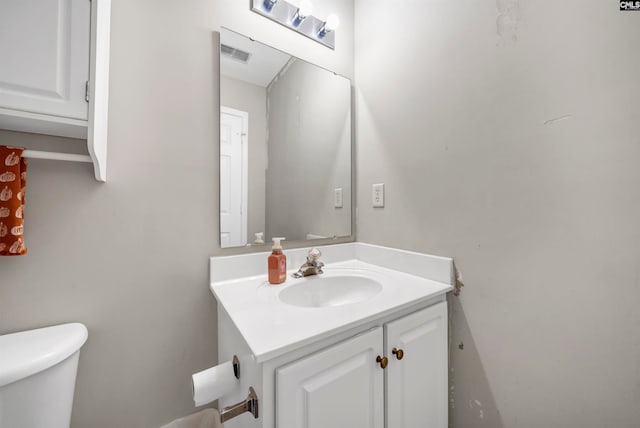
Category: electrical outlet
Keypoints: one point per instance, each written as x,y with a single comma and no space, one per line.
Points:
337,198
378,195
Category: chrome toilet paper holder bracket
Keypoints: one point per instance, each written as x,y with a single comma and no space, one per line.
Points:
249,405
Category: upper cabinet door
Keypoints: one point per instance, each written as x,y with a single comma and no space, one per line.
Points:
44,56
341,387
417,373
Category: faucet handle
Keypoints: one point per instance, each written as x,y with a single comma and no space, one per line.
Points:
314,254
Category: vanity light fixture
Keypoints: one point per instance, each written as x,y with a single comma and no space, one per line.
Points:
305,9
297,17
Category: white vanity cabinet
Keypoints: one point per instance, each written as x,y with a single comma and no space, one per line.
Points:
343,386
54,58
317,365
416,384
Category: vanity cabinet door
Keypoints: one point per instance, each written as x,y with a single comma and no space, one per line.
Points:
44,50
416,378
340,387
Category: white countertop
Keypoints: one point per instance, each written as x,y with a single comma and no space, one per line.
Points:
272,328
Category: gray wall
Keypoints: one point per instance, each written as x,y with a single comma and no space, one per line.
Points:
508,135
309,152
129,258
253,100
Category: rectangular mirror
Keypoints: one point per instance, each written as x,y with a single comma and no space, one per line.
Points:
285,146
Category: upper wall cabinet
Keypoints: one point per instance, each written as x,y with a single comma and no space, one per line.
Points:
55,70
45,50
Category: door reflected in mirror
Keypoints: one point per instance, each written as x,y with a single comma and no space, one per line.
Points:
285,146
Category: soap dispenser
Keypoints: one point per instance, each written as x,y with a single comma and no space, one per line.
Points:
277,263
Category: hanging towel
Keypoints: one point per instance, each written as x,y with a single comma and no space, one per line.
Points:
207,418
13,181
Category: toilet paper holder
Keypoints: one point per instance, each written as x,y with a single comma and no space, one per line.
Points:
236,366
249,405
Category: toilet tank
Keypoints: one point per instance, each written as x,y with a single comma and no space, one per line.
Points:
38,374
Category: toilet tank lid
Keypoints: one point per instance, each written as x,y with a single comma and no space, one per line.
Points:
26,353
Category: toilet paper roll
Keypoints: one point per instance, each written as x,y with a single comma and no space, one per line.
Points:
213,383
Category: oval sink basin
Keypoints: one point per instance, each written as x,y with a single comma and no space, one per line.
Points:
328,291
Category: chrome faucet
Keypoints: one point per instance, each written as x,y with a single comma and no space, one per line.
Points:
313,265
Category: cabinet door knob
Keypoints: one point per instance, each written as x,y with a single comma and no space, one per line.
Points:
399,353
383,361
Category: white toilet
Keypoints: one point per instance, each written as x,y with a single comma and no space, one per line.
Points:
38,375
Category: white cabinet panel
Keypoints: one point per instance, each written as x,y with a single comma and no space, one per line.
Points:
341,387
44,52
416,385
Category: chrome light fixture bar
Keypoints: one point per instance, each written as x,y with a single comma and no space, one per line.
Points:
299,19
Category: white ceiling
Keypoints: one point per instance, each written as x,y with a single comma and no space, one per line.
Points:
263,65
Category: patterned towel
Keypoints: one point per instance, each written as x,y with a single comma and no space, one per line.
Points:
13,181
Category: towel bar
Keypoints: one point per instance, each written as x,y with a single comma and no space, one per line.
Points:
249,405
35,154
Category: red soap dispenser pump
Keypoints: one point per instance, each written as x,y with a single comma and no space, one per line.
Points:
277,263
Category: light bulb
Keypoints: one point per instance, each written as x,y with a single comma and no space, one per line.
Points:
333,22
305,9
329,25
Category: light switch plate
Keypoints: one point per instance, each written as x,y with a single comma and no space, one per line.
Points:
337,198
378,195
